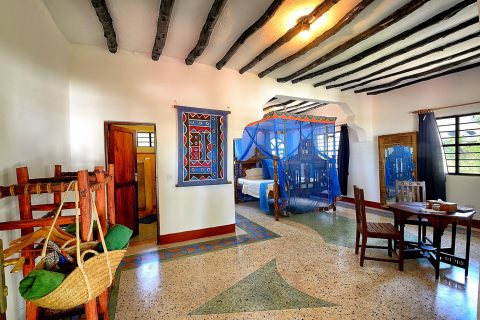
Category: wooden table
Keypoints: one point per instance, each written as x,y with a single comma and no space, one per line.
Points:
433,250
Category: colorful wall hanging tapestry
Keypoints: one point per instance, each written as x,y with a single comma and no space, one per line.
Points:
202,150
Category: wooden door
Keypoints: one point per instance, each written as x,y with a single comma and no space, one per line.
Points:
122,152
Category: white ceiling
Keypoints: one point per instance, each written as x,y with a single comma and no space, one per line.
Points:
135,25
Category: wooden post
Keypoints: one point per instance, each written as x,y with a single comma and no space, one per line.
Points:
84,204
57,196
102,216
24,203
91,310
236,167
111,195
103,304
100,198
85,220
275,188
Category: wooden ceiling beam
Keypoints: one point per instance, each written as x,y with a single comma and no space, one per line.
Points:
385,23
279,105
403,62
420,74
301,108
257,25
303,23
312,108
346,19
438,75
107,23
164,14
392,41
438,18
427,64
297,106
212,18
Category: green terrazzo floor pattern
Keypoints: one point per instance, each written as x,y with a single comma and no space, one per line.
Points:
335,229
262,290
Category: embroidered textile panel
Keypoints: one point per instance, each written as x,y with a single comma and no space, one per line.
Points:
202,152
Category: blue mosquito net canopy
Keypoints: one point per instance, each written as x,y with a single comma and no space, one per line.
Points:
305,148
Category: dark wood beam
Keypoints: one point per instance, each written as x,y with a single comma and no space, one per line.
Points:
402,62
438,75
107,23
361,84
278,105
407,49
302,24
297,106
385,23
320,39
207,30
312,108
419,74
438,18
298,110
166,8
257,25
301,108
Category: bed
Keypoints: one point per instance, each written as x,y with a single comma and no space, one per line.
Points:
295,149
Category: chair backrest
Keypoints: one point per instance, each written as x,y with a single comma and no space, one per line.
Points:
360,208
410,191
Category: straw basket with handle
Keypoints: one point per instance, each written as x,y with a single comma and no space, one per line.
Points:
91,277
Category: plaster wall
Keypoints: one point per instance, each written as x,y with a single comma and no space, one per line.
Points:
34,108
391,114
132,87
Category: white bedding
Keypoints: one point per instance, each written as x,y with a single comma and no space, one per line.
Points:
252,187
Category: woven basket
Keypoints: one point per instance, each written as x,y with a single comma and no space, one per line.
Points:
90,278
73,290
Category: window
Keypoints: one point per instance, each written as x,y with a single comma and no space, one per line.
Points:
145,139
461,143
280,145
328,147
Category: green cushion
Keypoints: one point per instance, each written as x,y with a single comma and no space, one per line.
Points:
116,238
39,283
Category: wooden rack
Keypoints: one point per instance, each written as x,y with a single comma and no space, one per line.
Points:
99,181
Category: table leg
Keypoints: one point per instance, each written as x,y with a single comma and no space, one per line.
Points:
467,253
395,222
454,235
437,243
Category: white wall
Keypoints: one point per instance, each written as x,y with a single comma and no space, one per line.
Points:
34,99
391,114
128,87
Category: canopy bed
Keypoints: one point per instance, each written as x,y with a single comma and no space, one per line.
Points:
284,156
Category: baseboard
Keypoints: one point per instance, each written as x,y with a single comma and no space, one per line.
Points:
377,205
371,204
195,234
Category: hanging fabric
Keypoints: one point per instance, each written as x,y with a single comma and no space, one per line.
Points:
307,175
343,159
430,158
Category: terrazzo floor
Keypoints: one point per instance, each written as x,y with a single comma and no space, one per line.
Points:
302,267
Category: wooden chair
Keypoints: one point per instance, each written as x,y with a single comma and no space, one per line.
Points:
374,230
413,191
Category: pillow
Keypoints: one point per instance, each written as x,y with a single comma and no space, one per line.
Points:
116,238
39,283
265,164
254,173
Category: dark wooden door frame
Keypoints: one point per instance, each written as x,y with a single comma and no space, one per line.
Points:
106,131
